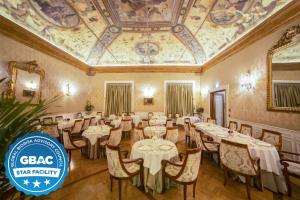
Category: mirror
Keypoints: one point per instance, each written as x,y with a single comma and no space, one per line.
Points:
26,81
284,73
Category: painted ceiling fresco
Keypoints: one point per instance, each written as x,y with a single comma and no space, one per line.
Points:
138,32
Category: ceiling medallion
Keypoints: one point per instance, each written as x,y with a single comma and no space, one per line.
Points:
147,50
114,29
178,28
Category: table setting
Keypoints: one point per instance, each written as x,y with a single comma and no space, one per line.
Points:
92,134
158,120
193,120
269,157
153,151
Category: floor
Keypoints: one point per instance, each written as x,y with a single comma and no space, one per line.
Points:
89,180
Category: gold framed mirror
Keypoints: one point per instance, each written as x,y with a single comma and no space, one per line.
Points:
283,92
26,81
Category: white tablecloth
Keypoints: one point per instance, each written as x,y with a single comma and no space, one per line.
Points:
158,120
116,123
152,153
180,120
66,124
95,132
269,157
157,131
136,120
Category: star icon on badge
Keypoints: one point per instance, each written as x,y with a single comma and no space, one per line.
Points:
26,182
36,184
47,182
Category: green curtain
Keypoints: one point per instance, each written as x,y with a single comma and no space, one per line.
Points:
179,98
118,98
287,94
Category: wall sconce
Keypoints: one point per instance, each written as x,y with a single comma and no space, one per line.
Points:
204,91
68,90
217,85
148,92
31,85
248,81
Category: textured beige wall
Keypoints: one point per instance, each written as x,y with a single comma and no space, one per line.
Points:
59,73
286,75
249,106
141,81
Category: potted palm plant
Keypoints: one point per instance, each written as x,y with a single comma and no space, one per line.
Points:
16,120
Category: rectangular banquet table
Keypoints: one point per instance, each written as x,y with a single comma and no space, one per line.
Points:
272,176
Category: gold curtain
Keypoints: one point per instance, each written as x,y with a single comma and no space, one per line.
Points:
287,94
118,98
179,98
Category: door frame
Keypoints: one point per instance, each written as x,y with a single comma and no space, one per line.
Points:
212,94
220,88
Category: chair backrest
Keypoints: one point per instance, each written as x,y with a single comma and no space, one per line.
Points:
101,121
126,124
272,137
246,129
210,120
114,163
47,120
124,114
127,117
169,123
67,140
197,138
78,115
233,125
187,119
93,121
138,134
59,118
77,126
50,129
99,114
172,134
169,115
145,123
191,165
115,136
192,131
236,157
86,123
150,115
177,115
187,128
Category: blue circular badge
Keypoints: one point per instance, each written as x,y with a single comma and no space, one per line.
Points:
36,164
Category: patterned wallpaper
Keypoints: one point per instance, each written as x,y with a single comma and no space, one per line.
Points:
130,32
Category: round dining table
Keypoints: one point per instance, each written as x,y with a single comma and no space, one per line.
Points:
158,120
153,151
158,131
92,134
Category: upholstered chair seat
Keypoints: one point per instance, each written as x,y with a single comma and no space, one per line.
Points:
80,143
236,157
293,167
120,169
185,172
211,146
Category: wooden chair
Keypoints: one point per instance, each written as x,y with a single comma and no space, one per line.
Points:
114,139
71,145
272,137
76,129
246,129
78,115
184,173
233,125
150,115
99,114
236,157
177,115
124,114
210,120
126,125
208,147
93,121
169,115
121,169
169,123
187,133
172,134
145,123
290,167
47,120
52,130
85,124
58,118
138,134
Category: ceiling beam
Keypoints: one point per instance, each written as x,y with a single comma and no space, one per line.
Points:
282,17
